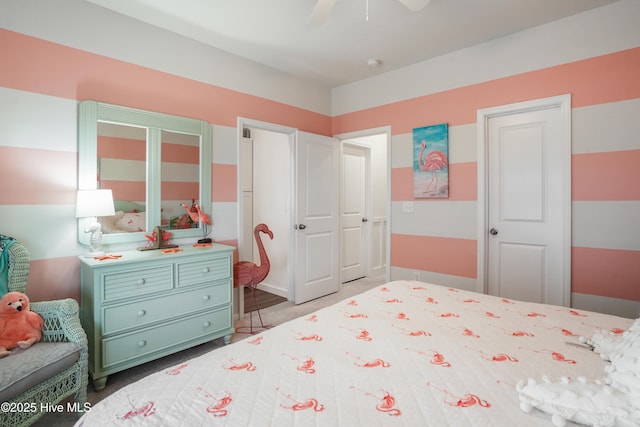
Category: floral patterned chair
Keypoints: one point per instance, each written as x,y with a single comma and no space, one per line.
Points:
51,370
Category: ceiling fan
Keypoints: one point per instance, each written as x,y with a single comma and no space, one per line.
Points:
323,8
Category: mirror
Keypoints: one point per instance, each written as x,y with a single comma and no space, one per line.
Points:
180,181
152,162
122,166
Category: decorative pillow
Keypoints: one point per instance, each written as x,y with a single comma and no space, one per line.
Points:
624,371
613,400
605,343
127,206
132,222
109,222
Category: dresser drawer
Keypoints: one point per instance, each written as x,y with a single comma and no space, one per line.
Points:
142,313
136,282
139,344
203,271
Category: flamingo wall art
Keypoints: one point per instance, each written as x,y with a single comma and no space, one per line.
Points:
431,161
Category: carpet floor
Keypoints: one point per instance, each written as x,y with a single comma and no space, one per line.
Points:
273,315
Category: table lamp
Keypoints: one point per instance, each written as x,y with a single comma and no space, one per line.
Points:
93,204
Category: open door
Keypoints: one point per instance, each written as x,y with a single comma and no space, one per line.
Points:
317,217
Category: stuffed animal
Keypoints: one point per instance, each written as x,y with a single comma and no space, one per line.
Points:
19,326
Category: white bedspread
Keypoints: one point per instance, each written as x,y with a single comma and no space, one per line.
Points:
402,354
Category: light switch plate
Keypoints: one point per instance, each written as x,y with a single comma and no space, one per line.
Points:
407,207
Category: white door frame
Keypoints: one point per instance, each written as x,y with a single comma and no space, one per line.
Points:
563,102
369,132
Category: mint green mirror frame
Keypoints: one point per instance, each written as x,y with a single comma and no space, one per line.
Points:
92,112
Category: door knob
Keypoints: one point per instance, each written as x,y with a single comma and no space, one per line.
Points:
493,232
364,220
302,227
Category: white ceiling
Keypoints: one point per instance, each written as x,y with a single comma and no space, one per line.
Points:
276,32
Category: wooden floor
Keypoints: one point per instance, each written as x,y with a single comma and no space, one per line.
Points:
264,299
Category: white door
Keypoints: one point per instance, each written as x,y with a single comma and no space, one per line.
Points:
353,216
528,174
317,217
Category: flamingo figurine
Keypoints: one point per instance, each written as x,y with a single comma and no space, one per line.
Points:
203,216
199,216
246,273
193,214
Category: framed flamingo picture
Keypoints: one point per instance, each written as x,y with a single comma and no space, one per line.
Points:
431,161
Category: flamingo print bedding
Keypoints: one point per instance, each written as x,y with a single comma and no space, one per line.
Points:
404,354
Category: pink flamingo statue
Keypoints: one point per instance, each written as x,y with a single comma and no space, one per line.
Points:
203,216
433,162
197,215
246,273
192,212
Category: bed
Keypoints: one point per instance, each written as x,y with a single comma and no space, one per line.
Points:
405,354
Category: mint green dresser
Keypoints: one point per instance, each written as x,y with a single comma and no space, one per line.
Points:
148,304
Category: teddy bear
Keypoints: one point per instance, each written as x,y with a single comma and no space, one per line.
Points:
19,326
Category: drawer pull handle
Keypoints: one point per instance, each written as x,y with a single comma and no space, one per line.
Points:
206,324
142,313
142,343
141,281
206,297
205,270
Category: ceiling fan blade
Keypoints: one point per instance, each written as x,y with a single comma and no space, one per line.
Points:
415,5
321,11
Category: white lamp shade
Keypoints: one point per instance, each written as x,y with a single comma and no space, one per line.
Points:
94,203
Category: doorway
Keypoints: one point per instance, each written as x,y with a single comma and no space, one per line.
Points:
524,201
308,198
365,204
289,180
270,179
266,181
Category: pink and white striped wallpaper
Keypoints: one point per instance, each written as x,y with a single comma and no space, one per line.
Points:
602,173
39,174
42,81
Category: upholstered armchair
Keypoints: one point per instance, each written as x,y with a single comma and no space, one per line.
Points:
51,370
